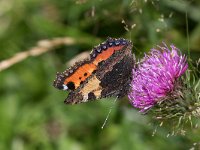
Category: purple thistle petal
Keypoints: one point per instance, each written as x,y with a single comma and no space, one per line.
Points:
155,76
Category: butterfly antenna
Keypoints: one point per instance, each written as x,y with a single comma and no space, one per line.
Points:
108,115
187,32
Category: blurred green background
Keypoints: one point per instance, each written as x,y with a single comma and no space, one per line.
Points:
32,113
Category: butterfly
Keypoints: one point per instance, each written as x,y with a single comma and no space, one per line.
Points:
107,72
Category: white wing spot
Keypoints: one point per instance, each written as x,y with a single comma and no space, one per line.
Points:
65,87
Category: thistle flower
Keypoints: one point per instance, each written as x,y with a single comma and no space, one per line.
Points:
156,76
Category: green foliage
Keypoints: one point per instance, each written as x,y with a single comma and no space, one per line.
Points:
32,113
